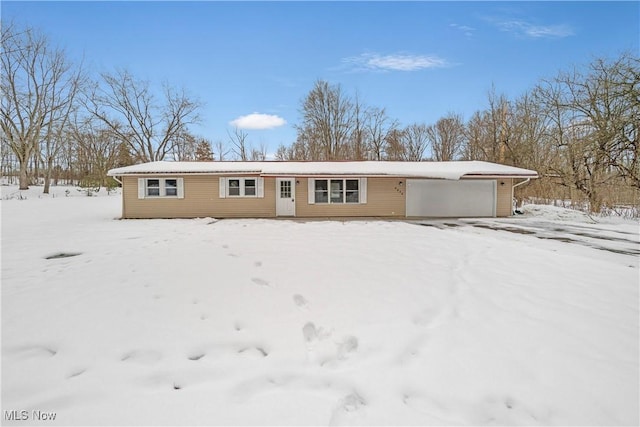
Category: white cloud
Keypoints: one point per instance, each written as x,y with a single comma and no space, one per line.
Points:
468,31
395,62
527,29
258,121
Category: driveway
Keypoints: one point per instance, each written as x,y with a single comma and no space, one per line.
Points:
617,238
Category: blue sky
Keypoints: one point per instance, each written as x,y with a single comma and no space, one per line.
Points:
419,60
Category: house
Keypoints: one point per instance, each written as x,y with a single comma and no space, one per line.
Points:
318,189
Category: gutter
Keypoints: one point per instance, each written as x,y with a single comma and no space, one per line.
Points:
520,183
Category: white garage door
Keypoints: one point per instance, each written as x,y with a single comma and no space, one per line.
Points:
445,198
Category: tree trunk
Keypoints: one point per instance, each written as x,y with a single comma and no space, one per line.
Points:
47,176
24,178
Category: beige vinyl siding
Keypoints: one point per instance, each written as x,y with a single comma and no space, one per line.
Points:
201,199
385,198
504,197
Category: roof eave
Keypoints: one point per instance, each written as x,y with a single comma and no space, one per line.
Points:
500,175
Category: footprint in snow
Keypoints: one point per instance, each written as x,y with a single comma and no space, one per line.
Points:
36,351
348,345
259,281
300,301
348,405
144,357
258,263
76,373
352,402
253,350
309,332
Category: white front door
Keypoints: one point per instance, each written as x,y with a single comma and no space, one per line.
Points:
285,197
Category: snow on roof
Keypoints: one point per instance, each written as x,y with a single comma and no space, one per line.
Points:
444,170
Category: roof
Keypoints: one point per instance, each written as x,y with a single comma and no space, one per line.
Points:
443,170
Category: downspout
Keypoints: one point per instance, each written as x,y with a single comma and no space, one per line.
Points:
115,178
517,185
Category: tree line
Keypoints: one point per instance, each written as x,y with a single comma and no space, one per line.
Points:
58,124
578,129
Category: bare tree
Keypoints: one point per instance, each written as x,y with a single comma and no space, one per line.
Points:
415,142
56,132
446,137
282,153
222,151
184,147
38,86
595,119
358,146
327,121
239,144
128,107
378,127
474,138
97,150
259,154
394,145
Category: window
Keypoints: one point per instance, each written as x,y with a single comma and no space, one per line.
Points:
240,187
234,187
249,187
322,191
153,187
285,189
160,187
337,191
171,187
352,192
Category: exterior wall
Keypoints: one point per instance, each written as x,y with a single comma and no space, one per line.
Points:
504,197
385,198
201,199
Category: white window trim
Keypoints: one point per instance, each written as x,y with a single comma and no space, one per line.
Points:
224,187
143,186
362,190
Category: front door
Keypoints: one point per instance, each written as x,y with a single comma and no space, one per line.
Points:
285,197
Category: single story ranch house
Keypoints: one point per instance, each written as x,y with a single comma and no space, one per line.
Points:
272,189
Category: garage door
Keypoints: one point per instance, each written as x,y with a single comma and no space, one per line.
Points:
445,198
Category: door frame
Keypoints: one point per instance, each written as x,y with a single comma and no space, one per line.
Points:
279,211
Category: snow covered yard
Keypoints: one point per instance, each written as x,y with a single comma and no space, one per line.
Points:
237,322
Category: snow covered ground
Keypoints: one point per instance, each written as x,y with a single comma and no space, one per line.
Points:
254,322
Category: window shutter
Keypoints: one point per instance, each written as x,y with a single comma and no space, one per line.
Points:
311,188
260,185
363,190
223,187
180,188
141,188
